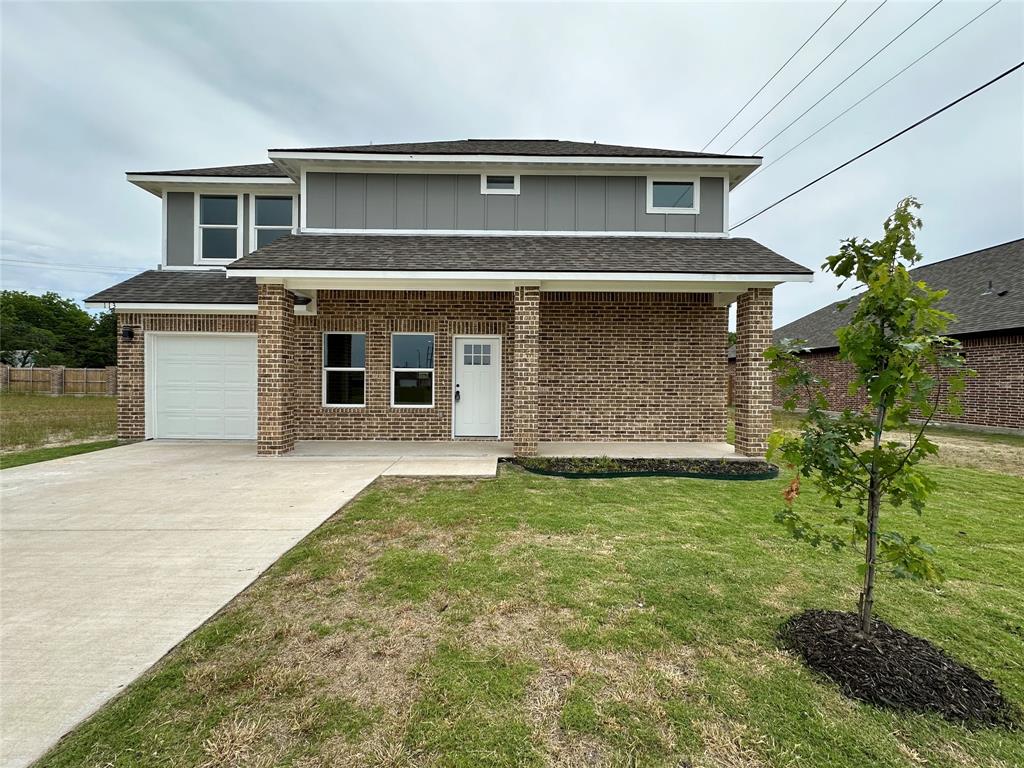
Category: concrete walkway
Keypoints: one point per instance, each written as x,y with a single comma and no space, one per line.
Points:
109,559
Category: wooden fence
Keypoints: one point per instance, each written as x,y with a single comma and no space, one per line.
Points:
59,380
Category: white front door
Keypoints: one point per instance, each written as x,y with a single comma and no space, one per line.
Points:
202,386
477,389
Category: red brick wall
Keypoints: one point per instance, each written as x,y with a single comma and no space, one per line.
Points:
378,314
993,398
131,370
753,386
631,366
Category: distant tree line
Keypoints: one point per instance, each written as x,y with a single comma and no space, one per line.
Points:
50,330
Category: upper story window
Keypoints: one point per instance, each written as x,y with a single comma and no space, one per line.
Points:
499,184
272,217
673,195
218,231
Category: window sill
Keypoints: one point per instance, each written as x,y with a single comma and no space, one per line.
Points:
413,407
343,406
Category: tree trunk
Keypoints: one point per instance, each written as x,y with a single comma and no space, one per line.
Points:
867,595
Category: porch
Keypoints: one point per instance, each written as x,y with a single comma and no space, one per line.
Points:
624,373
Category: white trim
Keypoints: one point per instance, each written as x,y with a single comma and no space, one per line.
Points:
198,228
485,190
253,227
324,369
692,210
528,278
149,178
148,383
511,233
171,307
455,340
163,229
393,370
302,200
515,159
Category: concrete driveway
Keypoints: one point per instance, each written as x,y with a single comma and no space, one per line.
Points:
109,559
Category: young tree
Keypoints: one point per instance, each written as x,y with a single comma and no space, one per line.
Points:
896,347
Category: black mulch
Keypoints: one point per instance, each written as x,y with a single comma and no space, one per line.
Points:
603,466
894,669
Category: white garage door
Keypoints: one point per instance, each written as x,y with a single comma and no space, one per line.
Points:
202,386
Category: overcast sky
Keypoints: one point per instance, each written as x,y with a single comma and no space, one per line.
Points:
91,90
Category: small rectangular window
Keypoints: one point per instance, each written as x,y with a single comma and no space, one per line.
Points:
412,370
272,217
673,195
218,227
499,184
344,369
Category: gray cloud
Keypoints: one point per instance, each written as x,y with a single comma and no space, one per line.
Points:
93,90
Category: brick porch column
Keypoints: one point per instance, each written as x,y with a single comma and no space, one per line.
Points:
275,320
526,368
753,386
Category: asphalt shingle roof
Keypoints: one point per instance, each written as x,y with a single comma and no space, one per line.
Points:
171,286
518,253
268,170
525,147
977,308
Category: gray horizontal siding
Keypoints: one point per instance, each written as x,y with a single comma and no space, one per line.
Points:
545,203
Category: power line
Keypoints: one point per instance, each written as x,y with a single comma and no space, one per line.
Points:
895,136
7,260
770,79
815,69
876,89
840,83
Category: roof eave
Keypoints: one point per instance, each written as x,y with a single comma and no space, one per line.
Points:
157,184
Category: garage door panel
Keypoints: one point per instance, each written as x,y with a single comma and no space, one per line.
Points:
204,387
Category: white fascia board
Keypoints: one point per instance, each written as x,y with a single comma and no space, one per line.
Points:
219,309
372,157
156,184
522,278
510,233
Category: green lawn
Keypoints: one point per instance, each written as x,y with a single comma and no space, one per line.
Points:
531,621
29,422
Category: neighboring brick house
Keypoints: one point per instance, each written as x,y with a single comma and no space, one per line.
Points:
986,293
529,291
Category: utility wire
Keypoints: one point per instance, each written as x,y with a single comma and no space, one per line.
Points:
840,83
770,79
7,260
815,69
880,144
876,89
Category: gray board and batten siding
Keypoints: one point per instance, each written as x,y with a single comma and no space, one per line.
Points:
544,204
181,232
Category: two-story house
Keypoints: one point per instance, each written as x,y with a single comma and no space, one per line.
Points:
525,291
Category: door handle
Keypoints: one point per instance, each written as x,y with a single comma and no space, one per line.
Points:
458,395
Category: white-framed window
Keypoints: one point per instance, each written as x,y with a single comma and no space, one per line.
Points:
412,370
271,217
218,228
499,183
344,370
680,194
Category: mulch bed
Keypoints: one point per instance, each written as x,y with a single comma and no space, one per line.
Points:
894,669
603,466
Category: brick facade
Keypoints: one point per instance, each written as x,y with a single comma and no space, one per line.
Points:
993,398
632,366
753,387
275,340
584,366
131,359
527,369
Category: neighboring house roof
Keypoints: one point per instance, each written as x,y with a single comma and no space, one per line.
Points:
524,147
228,171
180,287
977,307
518,253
